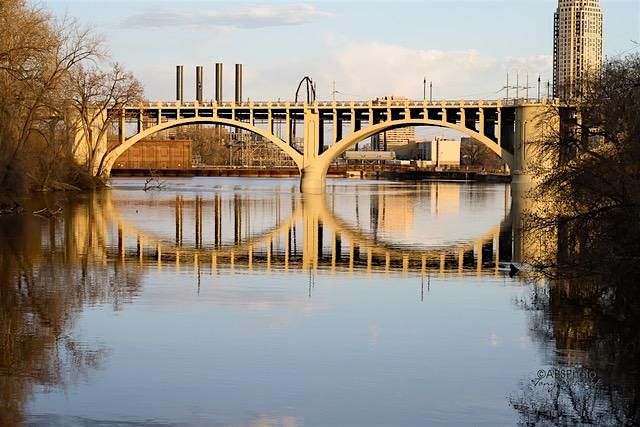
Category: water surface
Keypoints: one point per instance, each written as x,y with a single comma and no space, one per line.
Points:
240,302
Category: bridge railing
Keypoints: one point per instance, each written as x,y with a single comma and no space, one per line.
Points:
341,104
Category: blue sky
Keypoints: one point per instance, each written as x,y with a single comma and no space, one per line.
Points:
370,49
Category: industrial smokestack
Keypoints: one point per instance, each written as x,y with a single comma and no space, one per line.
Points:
199,83
179,83
238,83
219,83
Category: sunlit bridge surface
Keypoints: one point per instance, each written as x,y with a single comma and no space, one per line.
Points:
243,302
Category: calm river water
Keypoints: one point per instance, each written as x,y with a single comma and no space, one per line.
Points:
240,302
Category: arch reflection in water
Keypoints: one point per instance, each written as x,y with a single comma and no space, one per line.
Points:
102,247
408,232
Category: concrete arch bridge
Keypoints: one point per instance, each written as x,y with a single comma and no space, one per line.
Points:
508,128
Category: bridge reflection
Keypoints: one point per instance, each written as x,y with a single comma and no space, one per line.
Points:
102,246
291,232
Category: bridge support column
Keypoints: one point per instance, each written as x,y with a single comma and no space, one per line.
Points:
313,179
90,144
314,170
528,131
526,154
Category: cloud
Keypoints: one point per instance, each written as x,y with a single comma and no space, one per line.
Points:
366,70
250,17
376,69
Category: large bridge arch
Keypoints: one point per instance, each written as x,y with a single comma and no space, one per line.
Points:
343,145
111,157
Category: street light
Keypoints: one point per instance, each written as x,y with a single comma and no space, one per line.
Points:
538,88
424,89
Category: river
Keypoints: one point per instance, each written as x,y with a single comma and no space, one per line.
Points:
230,301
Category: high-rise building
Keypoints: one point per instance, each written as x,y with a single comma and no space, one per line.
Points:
393,138
577,45
389,139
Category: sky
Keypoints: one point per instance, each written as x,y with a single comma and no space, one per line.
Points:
369,48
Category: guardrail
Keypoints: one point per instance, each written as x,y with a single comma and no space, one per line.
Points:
377,103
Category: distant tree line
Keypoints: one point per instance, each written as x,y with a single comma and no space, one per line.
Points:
210,144
56,86
473,153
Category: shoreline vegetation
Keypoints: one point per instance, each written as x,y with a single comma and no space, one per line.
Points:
57,83
585,307
586,192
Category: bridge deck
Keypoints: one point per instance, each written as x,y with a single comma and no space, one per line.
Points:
331,105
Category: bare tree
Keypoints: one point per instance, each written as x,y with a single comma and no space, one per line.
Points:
210,144
36,54
56,89
589,172
97,97
474,153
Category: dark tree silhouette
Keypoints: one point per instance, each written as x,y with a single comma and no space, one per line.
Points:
586,315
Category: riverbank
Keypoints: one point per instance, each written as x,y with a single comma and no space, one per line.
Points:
410,174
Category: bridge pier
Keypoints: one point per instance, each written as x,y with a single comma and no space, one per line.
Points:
90,143
313,179
531,157
313,173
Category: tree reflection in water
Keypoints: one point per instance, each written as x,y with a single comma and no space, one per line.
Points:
586,319
43,288
587,194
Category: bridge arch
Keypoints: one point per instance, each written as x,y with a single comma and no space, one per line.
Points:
349,141
110,159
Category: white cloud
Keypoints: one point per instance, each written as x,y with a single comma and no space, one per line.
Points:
366,70
376,69
258,16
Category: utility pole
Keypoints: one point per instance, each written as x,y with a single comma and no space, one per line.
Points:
333,91
431,91
517,84
507,86
527,88
424,89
